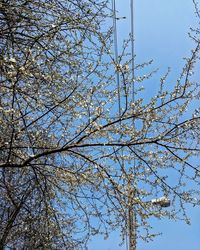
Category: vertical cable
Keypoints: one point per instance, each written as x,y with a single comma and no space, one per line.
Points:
116,54
132,209
132,51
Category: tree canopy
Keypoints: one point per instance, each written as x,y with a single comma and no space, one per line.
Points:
71,164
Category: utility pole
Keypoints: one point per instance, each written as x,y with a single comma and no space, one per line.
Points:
132,226
131,213
131,218
163,202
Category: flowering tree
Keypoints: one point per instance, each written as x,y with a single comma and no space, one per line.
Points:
71,164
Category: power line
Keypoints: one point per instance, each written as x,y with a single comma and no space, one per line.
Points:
116,54
132,209
131,213
132,49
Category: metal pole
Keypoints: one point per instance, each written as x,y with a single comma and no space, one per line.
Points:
132,227
131,218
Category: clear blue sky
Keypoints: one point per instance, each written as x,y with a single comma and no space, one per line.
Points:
161,29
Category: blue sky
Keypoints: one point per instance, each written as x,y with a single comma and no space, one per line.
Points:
161,34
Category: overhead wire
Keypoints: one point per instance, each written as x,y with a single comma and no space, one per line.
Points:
132,210
117,67
132,50
132,214
116,54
